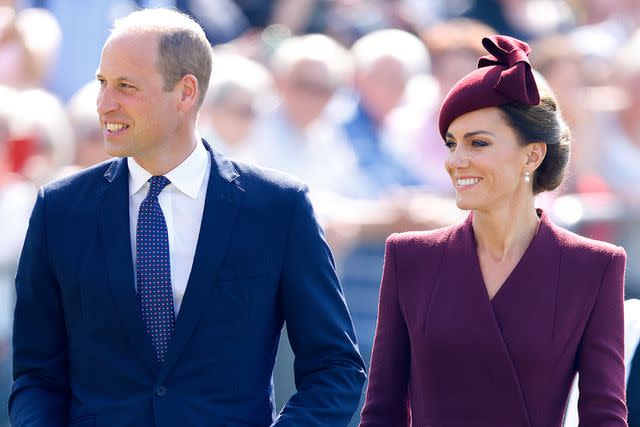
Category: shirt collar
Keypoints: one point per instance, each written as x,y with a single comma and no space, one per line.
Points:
186,177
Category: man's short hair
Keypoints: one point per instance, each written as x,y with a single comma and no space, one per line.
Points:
183,47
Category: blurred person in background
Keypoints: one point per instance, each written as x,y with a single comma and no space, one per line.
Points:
350,20
617,128
152,288
239,90
619,160
29,43
385,62
296,136
297,16
486,323
81,111
632,369
16,199
603,26
43,145
583,101
522,18
556,58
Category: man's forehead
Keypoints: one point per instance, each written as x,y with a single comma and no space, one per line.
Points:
131,56
132,35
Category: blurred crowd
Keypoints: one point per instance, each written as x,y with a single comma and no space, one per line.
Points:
343,94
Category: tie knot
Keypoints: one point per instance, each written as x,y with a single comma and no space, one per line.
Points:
157,184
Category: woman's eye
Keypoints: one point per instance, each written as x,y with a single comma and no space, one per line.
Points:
450,145
479,143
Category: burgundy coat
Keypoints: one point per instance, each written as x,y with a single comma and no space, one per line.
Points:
445,355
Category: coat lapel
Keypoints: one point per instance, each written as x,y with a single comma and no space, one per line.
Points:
473,331
531,289
522,310
113,214
218,217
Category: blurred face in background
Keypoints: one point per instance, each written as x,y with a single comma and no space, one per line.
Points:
382,87
305,91
232,117
450,66
14,57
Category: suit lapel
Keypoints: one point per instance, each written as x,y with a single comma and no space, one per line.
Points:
218,217
113,214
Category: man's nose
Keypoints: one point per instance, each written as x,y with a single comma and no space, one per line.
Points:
106,102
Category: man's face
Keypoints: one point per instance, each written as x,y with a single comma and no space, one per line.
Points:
137,116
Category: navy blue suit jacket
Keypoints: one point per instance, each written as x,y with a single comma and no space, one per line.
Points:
81,354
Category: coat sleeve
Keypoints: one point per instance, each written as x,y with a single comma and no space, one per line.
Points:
40,392
387,401
601,353
329,372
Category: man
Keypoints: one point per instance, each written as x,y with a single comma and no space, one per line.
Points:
160,303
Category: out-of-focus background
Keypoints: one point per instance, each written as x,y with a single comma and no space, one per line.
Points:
343,94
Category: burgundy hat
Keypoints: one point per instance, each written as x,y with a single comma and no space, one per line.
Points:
503,77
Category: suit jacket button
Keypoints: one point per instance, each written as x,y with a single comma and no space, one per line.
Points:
161,391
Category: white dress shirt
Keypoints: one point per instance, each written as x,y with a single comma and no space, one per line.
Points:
182,203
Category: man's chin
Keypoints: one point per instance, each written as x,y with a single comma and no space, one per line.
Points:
115,150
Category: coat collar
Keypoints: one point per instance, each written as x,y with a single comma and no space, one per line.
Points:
460,282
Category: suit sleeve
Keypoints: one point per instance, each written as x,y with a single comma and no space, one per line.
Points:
40,392
387,402
601,353
329,372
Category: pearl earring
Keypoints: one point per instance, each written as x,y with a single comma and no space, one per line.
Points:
527,177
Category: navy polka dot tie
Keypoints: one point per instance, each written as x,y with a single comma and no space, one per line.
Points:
154,270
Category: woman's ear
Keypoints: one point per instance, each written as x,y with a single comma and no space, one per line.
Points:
535,155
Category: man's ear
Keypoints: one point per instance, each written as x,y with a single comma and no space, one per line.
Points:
189,91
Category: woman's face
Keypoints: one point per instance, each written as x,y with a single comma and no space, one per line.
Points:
486,162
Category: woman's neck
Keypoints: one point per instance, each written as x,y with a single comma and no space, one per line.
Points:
506,232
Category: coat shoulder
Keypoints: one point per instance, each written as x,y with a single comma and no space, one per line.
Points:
586,247
433,238
430,240
258,177
81,180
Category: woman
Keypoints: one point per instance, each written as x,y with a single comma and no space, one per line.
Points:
486,323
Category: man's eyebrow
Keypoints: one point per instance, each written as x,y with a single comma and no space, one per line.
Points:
100,76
